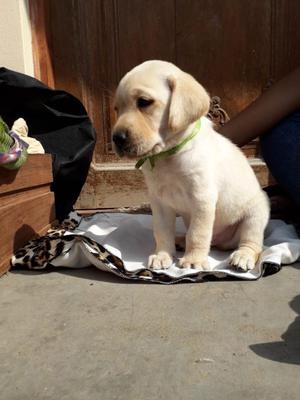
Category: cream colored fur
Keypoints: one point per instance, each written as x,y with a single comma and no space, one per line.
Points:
209,182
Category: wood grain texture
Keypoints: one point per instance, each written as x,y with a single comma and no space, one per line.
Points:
36,171
226,45
23,221
42,56
235,48
26,204
146,31
285,37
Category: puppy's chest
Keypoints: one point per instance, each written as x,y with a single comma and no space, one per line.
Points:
173,189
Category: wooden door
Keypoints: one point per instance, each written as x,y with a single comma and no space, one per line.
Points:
235,48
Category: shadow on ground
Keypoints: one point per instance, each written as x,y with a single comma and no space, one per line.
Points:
287,350
89,273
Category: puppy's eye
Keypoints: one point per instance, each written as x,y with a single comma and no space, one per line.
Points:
142,102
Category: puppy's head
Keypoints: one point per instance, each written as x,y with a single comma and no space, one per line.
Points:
154,102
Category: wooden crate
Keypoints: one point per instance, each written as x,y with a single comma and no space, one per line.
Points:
26,205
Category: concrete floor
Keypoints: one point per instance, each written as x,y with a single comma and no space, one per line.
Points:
87,335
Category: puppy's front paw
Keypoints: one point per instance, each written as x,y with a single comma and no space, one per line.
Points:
195,260
161,260
244,259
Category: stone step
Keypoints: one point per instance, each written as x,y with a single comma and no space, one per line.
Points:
261,171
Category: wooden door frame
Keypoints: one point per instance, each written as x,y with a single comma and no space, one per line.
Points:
43,68
39,12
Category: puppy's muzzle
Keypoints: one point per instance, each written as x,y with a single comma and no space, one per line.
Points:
121,140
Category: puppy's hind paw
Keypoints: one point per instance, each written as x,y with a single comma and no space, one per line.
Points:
162,260
243,259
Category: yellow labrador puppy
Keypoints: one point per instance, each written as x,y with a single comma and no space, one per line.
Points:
189,168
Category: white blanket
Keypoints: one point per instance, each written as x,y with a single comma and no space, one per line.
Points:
130,238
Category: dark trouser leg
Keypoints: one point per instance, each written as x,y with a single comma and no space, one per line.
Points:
281,152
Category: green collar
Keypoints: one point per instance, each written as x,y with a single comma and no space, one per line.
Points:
170,152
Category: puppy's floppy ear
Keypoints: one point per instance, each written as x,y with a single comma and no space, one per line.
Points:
189,101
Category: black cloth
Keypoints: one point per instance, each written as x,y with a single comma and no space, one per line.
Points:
60,122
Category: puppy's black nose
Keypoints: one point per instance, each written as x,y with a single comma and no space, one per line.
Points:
120,138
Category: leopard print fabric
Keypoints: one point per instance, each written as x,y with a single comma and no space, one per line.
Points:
38,253
49,251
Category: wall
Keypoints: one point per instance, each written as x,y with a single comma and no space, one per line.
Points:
15,36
